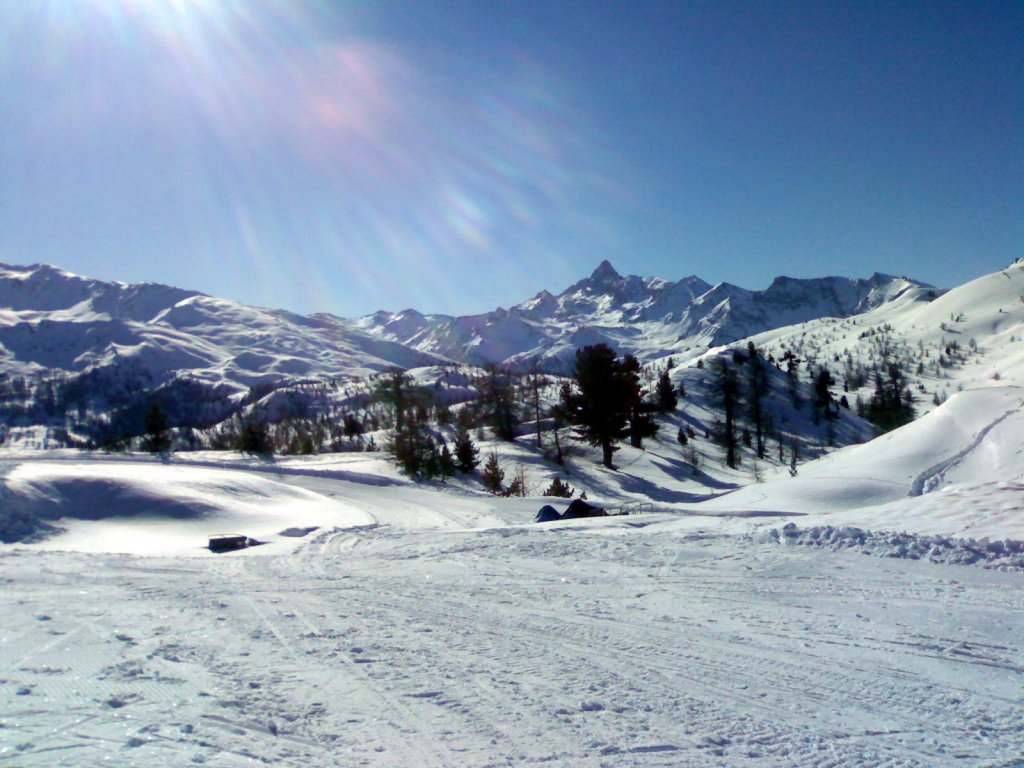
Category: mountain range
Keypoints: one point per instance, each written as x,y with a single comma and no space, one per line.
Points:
51,319
648,317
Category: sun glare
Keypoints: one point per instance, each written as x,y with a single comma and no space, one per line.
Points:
376,150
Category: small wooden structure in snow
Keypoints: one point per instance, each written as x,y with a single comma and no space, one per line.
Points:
226,542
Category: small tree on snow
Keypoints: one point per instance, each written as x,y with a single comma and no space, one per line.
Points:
467,455
518,485
445,461
559,489
665,393
492,475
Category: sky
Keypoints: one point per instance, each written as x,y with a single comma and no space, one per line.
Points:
458,156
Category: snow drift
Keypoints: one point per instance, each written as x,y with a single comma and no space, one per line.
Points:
169,508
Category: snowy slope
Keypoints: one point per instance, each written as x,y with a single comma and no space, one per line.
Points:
970,336
157,509
442,629
958,471
648,317
51,319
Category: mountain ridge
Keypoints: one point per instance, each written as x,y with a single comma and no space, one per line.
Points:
53,319
648,317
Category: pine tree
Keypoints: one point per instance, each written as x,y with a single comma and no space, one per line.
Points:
254,437
822,395
446,463
157,439
492,475
666,393
536,383
518,485
792,371
757,391
414,449
726,386
601,408
498,402
559,489
641,422
393,389
467,455
559,413
891,405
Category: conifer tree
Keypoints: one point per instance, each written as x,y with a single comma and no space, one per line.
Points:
492,475
536,383
726,385
601,408
254,437
560,489
467,455
666,393
518,485
560,416
157,439
822,395
498,402
446,462
757,391
891,405
641,422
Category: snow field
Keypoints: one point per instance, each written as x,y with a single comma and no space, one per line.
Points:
152,508
597,646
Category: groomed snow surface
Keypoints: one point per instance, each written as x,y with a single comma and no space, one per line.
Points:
431,627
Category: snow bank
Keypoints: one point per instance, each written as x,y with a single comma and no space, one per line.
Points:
151,508
957,471
1003,555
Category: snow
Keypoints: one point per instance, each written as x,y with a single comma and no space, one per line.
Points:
506,646
958,470
649,317
54,319
388,623
1005,555
438,627
156,509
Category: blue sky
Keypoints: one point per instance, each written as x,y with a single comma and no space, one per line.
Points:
457,156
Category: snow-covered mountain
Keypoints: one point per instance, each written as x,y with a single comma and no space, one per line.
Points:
969,337
648,317
52,319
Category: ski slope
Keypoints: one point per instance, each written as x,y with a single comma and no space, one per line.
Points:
420,626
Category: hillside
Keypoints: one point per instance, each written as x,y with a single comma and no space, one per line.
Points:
53,320
81,360
971,336
647,317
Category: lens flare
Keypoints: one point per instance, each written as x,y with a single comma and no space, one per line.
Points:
278,141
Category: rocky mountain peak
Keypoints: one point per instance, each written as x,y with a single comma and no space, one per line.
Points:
605,272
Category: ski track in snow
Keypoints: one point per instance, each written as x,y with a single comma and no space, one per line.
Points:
389,647
932,477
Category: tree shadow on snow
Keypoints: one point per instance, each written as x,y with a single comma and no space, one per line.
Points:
678,470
